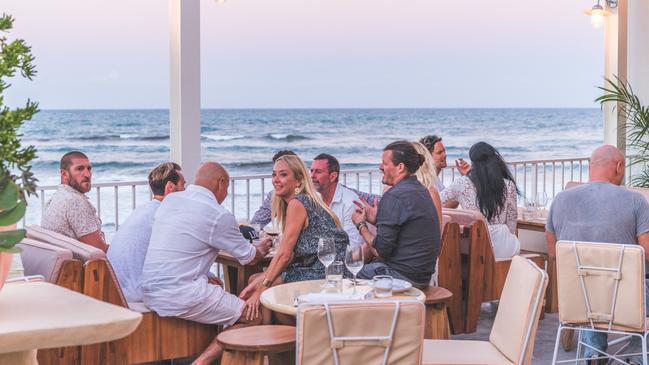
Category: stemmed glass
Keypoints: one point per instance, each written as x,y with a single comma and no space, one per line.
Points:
326,255
541,200
354,260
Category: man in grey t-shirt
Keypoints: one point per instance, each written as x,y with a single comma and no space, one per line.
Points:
599,211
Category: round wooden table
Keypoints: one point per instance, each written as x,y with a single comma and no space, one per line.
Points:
280,298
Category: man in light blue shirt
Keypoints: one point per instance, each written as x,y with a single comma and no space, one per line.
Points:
128,249
324,174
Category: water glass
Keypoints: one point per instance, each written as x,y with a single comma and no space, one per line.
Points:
354,260
335,275
383,286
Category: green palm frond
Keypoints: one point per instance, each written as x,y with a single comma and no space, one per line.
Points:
636,118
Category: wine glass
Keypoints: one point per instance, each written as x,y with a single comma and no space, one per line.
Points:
541,200
354,260
326,255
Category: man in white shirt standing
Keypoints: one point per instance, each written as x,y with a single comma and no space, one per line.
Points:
324,174
189,230
127,251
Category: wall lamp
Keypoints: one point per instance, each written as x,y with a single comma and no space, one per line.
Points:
597,13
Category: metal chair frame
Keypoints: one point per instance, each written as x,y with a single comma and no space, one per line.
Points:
616,273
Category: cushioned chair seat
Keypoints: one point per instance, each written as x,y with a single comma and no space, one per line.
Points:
138,307
40,258
462,352
80,250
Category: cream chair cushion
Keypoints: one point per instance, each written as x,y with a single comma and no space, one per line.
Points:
463,217
629,312
523,292
80,250
437,352
360,319
40,258
446,219
516,308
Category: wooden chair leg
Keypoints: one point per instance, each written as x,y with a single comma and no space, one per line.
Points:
242,358
475,280
282,358
437,324
450,275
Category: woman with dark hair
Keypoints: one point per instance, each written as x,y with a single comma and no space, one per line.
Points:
488,188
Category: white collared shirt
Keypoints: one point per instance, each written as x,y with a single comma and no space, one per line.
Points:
189,230
343,206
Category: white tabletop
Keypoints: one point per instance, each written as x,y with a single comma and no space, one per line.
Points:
280,298
42,315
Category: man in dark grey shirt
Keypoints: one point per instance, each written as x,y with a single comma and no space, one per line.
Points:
407,238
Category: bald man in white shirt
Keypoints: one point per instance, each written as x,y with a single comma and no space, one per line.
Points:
189,230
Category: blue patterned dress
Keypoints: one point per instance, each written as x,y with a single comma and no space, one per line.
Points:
305,264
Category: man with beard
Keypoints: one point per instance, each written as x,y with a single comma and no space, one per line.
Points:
407,237
69,212
325,170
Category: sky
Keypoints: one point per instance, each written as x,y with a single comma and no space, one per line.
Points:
94,54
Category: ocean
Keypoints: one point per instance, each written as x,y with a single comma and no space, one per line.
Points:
124,145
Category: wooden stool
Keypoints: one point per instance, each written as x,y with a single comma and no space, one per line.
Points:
249,345
437,325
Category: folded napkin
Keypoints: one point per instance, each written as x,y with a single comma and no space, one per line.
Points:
318,298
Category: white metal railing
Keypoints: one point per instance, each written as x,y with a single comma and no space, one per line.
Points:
247,192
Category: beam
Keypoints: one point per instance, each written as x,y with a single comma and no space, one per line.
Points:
615,64
185,92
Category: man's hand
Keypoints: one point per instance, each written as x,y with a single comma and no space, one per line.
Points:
263,246
462,166
251,288
369,210
358,215
215,281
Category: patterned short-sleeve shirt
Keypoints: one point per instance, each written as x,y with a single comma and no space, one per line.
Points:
70,213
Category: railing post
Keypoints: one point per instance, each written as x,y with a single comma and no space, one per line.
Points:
116,208
133,190
233,183
98,202
248,198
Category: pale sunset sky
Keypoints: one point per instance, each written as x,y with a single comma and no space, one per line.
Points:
315,53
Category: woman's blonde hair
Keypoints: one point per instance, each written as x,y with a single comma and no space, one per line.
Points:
306,187
426,174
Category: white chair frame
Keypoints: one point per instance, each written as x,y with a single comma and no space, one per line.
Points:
385,341
616,273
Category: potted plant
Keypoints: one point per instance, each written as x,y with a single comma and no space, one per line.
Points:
16,178
636,116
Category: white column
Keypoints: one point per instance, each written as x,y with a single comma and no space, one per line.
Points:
615,64
638,49
184,109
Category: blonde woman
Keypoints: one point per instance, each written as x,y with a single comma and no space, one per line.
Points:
427,176
303,218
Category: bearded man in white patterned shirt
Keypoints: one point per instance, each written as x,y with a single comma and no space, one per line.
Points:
69,212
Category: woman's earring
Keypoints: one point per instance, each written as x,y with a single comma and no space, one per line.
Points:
297,190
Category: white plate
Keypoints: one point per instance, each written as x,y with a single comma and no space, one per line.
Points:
399,285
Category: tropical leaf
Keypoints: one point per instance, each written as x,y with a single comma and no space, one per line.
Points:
636,118
12,216
9,195
9,239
